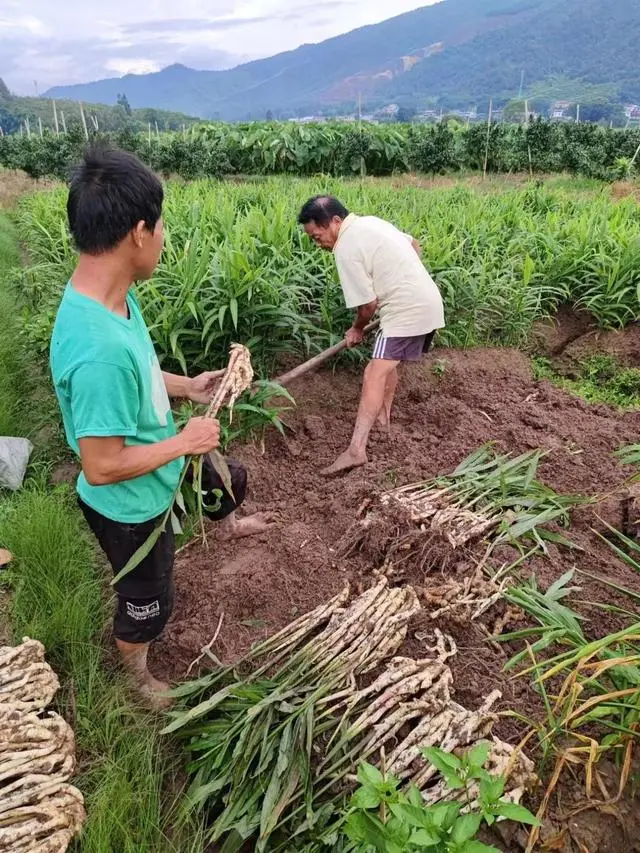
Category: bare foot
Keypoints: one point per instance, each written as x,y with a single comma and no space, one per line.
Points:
252,525
346,462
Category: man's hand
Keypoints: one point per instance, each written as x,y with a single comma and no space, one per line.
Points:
107,460
354,337
200,435
201,387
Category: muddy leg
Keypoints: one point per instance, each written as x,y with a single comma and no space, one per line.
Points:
134,660
384,418
371,402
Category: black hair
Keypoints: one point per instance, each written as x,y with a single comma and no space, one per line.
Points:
321,209
111,191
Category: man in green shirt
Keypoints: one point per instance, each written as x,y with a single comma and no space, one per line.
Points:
114,398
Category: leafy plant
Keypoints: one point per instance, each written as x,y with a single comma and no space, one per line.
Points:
383,818
338,148
269,747
623,169
629,455
590,688
254,412
237,268
489,495
602,379
439,368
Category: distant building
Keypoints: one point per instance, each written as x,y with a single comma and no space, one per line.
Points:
632,112
560,109
427,116
309,120
388,112
466,115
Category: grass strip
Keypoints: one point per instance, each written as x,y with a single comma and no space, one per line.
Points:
601,379
126,772
12,366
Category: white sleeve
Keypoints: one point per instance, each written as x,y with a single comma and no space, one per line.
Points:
357,284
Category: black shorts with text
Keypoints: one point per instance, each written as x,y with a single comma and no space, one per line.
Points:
145,596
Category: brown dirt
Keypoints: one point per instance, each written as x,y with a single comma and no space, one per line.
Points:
552,337
5,625
14,184
624,189
572,337
493,183
624,346
483,395
65,472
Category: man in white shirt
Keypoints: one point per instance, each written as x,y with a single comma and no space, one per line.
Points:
380,270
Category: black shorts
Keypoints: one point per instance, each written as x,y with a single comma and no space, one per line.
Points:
145,595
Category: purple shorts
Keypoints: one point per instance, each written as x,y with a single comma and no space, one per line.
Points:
402,349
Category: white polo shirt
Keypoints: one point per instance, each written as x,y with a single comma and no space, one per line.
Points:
377,261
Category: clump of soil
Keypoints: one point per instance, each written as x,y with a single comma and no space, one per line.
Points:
624,189
572,337
552,337
482,395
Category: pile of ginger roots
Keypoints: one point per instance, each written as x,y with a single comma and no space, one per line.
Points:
40,811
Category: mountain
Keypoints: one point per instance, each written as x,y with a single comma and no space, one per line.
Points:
589,42
453,53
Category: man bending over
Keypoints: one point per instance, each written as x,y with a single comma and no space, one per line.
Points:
380,270
115,399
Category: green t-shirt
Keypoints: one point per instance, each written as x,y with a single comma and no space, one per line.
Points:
109,383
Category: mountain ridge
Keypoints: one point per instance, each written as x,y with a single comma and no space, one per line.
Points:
452,53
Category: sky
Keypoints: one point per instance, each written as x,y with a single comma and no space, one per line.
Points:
45,43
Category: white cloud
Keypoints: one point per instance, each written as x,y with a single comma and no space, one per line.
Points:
132,66
82,40
23,24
